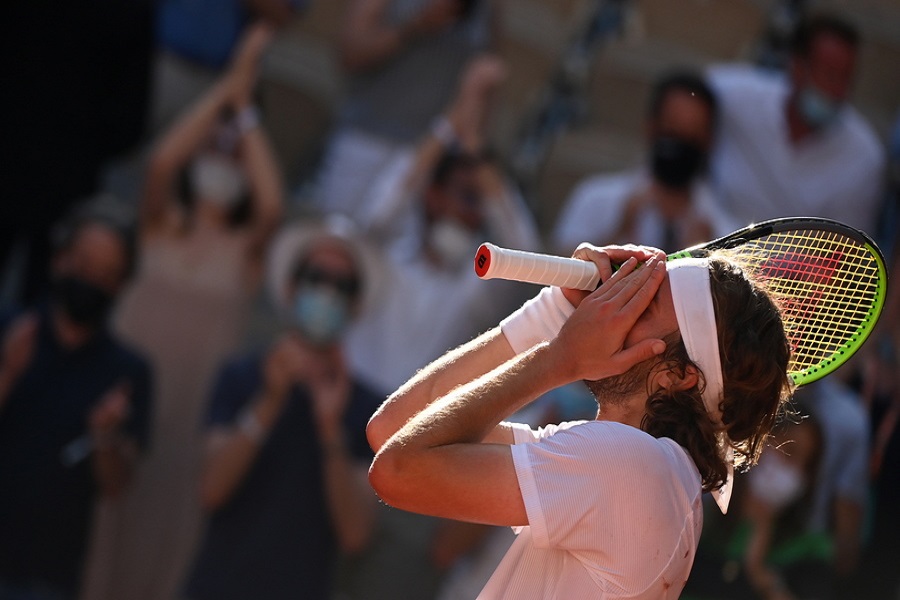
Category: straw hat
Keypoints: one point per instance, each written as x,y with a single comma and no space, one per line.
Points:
293,242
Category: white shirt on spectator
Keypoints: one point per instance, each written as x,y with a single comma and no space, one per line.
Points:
425,310
844,464
760,174
596,208
613,513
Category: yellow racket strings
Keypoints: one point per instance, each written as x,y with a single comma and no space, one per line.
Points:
826,284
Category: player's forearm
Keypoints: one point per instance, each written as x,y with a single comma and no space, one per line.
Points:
451,370
468,413
430,463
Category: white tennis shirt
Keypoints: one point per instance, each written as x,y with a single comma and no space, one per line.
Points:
613,513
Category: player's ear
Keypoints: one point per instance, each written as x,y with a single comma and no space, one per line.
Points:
673,379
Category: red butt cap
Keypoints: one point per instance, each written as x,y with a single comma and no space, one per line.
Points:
482,260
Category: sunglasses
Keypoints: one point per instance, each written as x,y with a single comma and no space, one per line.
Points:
313,275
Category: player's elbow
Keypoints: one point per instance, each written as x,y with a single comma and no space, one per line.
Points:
377,431
387,476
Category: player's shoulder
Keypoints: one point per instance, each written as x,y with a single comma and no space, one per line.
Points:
612,438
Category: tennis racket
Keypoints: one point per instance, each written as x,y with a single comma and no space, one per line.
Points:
829,279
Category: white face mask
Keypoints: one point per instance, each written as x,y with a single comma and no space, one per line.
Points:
217,180
775,481
453,242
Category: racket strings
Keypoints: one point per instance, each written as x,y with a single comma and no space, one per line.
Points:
826,284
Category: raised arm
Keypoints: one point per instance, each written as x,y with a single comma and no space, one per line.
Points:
265,182
367,40
187,136
438,463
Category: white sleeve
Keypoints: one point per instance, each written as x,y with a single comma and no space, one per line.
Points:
538,320
578,483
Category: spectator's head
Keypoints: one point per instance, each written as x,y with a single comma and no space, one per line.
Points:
95,255
318,277
823,63
454,210
215,177
681,125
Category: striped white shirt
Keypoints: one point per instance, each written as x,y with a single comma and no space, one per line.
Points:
613,513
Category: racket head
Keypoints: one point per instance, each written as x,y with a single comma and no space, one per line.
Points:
829,280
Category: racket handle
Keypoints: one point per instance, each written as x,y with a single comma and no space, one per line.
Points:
493,262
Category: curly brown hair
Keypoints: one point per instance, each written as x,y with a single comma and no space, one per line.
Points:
754,351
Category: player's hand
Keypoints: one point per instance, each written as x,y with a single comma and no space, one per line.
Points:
592,342
605,257
18,346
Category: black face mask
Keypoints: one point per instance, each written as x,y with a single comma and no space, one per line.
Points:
83,302
676,162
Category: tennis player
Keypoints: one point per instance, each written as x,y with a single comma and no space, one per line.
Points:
687,361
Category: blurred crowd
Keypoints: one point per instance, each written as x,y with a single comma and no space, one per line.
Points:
186,371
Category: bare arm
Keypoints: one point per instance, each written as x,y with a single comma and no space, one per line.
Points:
174,151
848,520
367,41
266,186
16,352
351,502
438,463
114,452
232,451
276,12
459,366
186,137
765,580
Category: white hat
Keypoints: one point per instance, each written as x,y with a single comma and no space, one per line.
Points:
293,242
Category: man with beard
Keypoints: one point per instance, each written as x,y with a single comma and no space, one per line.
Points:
74,406
687,361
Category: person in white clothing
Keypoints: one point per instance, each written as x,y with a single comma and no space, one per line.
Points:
687,361
791,144
669,203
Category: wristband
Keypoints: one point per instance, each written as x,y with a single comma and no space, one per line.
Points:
249,424
444,132
538,320
246,120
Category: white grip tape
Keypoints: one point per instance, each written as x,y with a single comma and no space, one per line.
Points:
493,262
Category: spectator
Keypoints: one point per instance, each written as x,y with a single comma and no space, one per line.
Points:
842,488
202,257
431,208
74,412
792,145
286,462
196,39
403,59
669,204
761,548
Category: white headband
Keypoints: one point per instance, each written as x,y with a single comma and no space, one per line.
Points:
691,294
